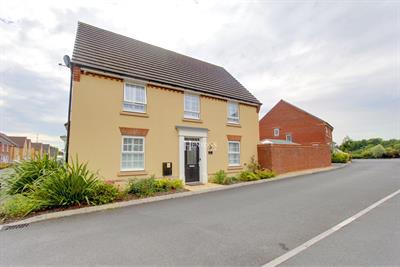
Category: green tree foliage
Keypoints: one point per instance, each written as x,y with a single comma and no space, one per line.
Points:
371,148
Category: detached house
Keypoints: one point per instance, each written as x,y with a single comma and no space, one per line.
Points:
7,149
23,148
138,110
293,139
292,124
37,150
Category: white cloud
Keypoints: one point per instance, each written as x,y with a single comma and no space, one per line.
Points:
339,61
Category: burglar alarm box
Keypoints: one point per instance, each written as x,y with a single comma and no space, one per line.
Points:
167,168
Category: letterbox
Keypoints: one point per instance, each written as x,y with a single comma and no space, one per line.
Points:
167,168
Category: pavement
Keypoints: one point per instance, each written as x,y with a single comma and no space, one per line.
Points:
249,225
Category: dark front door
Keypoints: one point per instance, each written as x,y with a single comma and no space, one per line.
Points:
192,167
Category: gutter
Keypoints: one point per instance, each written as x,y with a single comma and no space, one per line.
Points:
69,114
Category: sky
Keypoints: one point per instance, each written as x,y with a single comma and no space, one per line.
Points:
339,60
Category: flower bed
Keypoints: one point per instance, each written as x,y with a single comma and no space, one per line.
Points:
44,185
253,172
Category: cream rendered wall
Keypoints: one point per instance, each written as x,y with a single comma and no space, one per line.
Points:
96,117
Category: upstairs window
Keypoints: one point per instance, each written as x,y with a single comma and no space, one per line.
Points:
192,106
233,112
276,132
289,137
234,153
134,98
132,153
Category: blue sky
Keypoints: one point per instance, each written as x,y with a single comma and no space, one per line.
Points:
339,60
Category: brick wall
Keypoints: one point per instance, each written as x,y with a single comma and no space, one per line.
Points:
288,158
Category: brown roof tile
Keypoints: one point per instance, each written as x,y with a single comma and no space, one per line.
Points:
107,51
19,140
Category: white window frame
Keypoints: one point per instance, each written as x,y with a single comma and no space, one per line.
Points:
187,113
133,152
276,131
126,101
229,153
234,120
291,137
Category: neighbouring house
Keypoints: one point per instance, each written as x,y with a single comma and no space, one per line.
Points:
45,149
53,152
29,150
64,139
22,148
37,150
293,139
137,110
7,148
293,124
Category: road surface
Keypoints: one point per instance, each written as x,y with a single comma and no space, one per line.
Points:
250,225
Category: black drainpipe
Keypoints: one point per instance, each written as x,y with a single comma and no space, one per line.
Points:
69,114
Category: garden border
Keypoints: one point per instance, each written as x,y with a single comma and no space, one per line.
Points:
67,213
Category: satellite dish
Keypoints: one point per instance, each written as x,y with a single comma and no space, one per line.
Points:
67,61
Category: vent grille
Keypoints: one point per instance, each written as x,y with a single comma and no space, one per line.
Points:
17,226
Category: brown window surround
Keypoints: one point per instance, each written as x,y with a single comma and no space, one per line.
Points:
133,131
234,137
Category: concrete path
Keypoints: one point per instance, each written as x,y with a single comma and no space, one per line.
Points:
250,225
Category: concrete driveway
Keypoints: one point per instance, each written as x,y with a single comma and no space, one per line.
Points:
244,226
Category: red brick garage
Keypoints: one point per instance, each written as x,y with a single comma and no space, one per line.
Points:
283,158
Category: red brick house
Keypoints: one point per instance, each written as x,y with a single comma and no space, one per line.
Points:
7,147
293,124
293,139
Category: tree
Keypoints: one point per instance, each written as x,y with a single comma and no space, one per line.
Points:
377,151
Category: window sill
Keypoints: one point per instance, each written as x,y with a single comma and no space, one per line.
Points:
192,120
135,114
131,173
233,125
239,167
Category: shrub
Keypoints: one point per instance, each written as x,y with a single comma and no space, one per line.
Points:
377,151
176,184
142,187
165,184
26,173
149,186
340,157
17,206
71,186
103,193
253,166
221,178
248,176
265,174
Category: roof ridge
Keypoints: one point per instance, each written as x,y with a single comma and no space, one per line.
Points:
308,113
158,47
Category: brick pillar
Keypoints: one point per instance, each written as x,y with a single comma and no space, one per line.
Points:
76,74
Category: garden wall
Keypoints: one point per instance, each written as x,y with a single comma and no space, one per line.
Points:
283,158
